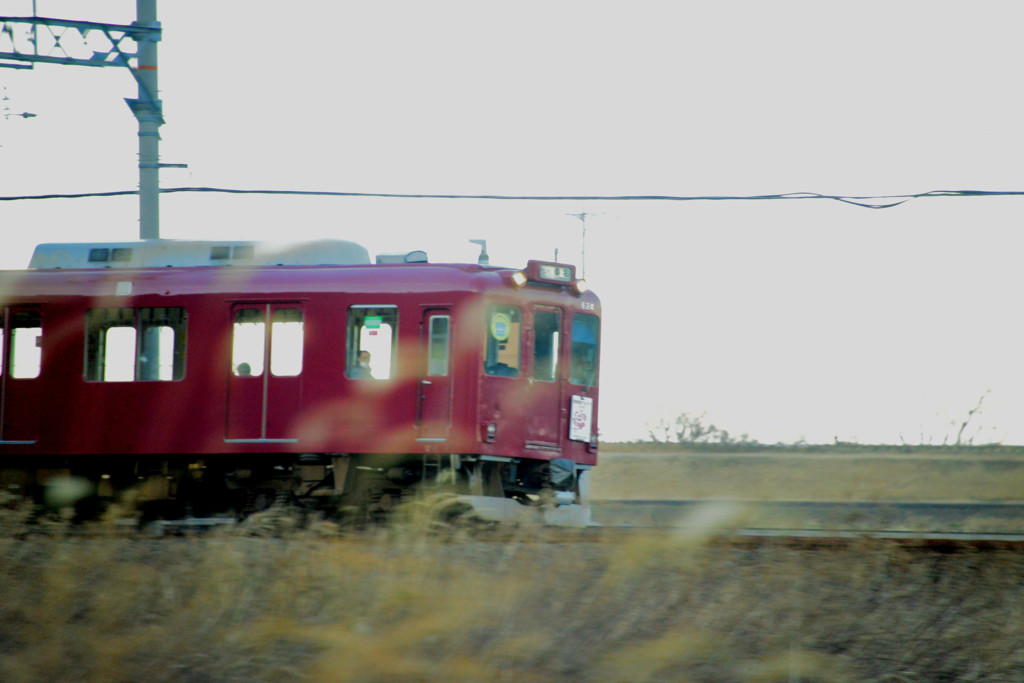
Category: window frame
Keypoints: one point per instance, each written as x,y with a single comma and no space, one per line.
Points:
576,375
553,334
281,363
244,349
13,346
439,367
355,317
495,346
141,320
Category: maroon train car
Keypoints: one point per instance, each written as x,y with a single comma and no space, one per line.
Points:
205,377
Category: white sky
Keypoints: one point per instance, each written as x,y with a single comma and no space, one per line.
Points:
786,320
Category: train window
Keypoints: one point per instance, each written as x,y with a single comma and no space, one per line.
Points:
110,344
501,348
26,345
286,336
372,330
248,342
126,344
437,354
156,353
583,366
161,342
546,327
119,354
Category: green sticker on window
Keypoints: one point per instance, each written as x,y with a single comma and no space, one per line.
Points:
501,326
373,321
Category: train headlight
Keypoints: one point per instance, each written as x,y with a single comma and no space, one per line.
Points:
581,287
518,279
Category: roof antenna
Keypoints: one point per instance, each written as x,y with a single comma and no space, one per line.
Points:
583,245
483,259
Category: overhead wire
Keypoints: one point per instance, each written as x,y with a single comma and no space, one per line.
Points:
865,201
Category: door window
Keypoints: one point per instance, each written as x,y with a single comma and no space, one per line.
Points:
437,352
248,342
546,328
26,345
286,342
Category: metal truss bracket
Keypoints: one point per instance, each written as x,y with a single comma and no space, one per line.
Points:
25,41
146,111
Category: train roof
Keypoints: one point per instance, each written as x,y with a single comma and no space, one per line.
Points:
160,253
180,267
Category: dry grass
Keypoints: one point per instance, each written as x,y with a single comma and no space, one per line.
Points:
270,602
839,475
407,605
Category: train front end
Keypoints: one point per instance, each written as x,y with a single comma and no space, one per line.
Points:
537,395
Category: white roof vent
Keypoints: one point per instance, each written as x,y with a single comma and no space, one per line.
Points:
417,256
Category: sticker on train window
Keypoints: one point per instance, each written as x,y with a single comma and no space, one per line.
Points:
501,326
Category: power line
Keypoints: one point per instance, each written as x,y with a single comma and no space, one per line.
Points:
865,201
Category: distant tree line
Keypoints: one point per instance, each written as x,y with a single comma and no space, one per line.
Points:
690,428
695,429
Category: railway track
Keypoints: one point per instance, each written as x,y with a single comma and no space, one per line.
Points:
907,516
936,526
928,526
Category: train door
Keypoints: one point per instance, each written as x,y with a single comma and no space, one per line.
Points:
265,380
544,419
435,385
21,337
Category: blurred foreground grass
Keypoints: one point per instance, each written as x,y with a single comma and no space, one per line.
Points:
404,604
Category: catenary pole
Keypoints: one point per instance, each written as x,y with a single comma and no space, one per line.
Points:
148,112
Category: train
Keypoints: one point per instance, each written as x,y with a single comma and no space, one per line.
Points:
206,378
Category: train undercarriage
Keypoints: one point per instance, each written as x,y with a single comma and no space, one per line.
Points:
360,488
